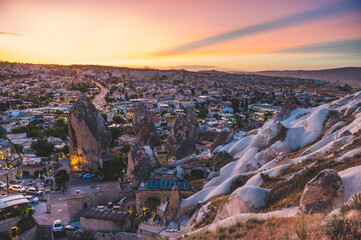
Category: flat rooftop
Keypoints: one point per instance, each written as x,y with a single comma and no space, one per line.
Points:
12,200
106,214
88,189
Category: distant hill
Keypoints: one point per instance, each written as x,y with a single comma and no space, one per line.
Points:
346,75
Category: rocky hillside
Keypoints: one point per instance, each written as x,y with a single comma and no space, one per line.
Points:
301,161
347,75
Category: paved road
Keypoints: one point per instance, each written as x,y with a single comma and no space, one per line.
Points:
99,100
58,209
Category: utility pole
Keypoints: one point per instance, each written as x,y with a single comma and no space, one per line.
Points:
7,184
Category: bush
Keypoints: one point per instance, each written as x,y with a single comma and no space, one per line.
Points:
221,160
61,177
339,228
152,203
301,227
25,224
354,203
42,148
118,119
239,182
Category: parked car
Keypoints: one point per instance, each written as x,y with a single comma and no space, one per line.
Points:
71,228
58,226
2,185
32,199
80,175
89,175
33,191
17,188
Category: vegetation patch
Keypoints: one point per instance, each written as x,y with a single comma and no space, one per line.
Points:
240,181
197,185
353,204
212,213
25,224
222,159
342,228
286,193
274,228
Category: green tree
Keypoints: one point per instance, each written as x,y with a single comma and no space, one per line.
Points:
64,150
203,112
118,119
235,105
105,116
115,168
61,177
2,132
60,121
152,203
19,149
125,148
239,122
42,147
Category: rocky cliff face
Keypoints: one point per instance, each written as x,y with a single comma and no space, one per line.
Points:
323,193
144,128
89,137
291,103
183,136
173,207
141,162
243,200
222,138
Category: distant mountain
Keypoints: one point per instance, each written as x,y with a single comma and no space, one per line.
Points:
346,75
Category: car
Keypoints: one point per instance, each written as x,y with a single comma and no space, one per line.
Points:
71,228
89,175
58,226
2,185
17,188
80,175
32,199
33,191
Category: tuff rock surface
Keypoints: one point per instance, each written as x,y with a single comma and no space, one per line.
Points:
172,211
89,137
222,138
243,200
141,162
323,193
183,136
291,103
143,127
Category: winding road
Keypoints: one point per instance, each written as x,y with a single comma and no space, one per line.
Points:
99,99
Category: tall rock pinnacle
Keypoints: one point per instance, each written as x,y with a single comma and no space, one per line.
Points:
143,127
89,137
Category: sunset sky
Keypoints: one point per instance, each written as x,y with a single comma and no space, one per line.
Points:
193,34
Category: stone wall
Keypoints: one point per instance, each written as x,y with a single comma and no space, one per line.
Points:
6,224
10,173
44,232
31,234
115,236
76,203
31,170
163,195
91,225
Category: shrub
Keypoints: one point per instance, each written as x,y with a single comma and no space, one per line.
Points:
354,203
25,224
221,160
61,177
301,227
340,228
152,203
239,182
